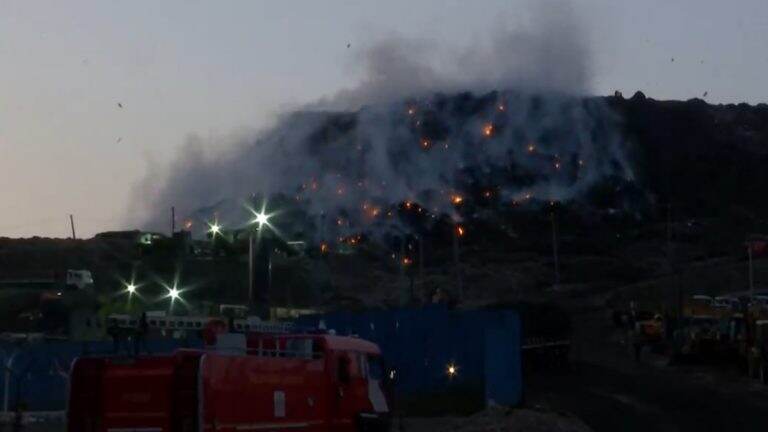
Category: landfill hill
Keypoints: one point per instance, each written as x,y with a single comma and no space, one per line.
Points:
699,170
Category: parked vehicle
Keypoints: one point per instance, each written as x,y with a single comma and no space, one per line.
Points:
311,382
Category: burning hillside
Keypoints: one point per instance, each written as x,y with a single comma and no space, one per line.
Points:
446,155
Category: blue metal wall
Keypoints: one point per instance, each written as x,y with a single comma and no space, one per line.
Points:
420,344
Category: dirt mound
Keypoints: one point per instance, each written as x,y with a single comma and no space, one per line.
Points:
503,420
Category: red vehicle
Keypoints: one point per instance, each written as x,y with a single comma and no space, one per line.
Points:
280,382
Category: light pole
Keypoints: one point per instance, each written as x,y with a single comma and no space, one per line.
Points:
259,263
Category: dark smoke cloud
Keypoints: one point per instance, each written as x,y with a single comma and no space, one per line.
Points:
400,135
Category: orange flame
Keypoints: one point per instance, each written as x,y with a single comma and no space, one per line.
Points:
457,199
460,230
488,129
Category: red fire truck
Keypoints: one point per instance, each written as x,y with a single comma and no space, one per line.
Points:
308,382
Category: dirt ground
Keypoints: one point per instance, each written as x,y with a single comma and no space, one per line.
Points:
610,391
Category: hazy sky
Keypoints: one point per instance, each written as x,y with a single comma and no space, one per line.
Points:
213,68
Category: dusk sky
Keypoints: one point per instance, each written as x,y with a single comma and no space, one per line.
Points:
215,68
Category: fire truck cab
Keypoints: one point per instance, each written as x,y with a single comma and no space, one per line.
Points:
309,382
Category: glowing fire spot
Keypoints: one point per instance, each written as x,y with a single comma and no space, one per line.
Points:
460,231
531,148
408,205
188,225
488,129
425,144
407,261
457,199
323,248
502,107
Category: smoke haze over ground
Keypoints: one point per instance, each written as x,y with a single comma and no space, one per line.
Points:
412,132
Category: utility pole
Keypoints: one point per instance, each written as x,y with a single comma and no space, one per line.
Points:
421,260
554,250
72,224
458,232
751,272
173,220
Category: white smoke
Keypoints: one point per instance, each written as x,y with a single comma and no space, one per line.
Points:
410,133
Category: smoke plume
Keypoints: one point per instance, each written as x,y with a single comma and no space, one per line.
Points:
426,128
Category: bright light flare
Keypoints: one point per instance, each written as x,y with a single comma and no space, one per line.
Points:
451,370
457,199
131,288
174,293
262,218
214,229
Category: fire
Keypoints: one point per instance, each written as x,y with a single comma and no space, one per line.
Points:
425,144
188,225
408,205
460,231
488,129
407,261
323,248
502,107
457,199
531,148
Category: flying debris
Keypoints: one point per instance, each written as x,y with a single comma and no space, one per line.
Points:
705,94
349,45
119,104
